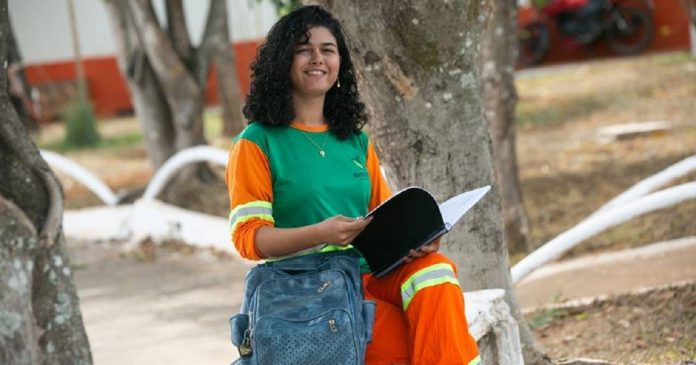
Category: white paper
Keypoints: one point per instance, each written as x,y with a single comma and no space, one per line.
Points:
454,208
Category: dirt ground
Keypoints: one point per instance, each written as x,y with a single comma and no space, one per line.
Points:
655,327
567,171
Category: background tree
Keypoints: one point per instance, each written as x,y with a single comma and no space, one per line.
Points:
284,7
421,82
690,7
40,319
18,86
166,74
498,58
228,82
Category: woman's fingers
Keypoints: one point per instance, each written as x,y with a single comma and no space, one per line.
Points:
343,229
431,247
423,251
358,225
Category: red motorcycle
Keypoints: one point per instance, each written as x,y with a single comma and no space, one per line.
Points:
627,29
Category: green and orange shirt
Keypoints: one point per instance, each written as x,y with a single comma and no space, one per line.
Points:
277,176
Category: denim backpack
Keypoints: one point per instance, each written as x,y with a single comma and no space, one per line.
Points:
304,310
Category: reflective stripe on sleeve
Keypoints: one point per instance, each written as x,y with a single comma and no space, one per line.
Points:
476,360
329,248
256,209
427,277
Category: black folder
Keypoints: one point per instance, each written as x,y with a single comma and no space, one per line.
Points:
409,220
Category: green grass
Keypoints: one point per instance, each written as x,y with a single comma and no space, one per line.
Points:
578,92
672,58
125,140
532,113
80,125
545,317
212,124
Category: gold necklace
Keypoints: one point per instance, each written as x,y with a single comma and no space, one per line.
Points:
321,149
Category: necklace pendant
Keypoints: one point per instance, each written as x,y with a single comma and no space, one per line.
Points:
322,153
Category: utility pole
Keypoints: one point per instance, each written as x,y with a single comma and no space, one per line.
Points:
79,69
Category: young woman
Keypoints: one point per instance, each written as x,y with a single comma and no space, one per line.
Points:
303,171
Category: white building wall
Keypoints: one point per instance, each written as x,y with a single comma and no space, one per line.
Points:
42,27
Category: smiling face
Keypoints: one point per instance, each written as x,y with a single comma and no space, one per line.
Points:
315,64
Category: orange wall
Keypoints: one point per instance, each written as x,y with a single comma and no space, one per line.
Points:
671,34
107,88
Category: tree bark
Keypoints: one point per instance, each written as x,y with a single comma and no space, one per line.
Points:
40,319
148,98
18,86
228,89
181,91
497,61
690,7
178,31
166,96
419,77
166,74
228,82
498,55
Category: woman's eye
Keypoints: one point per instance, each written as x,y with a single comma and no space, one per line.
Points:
302,50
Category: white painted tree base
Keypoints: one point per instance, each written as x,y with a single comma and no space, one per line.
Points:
487,312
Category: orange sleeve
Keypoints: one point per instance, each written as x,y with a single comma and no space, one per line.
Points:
380,189
248,179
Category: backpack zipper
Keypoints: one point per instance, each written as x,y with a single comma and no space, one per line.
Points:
324,286
332,325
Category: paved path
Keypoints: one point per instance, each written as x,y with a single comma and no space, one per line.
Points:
173,309
610,273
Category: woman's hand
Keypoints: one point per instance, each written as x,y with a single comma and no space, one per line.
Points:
340,230
423,251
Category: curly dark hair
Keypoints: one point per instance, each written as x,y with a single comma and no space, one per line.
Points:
270,101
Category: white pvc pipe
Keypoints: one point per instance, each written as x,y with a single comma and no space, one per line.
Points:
599,222
650,184
80,174
179,160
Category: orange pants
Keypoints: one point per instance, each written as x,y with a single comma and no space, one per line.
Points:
420,316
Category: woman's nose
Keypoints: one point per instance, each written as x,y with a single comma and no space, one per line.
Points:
316,57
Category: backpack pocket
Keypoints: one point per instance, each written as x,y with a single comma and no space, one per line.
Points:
368,314
239,324
324,339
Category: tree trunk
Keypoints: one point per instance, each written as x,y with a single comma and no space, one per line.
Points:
498,57
420,80
228,82
18,86
228,89
180,88
178,31
148,98
690,6
498,54
167,86
40,320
